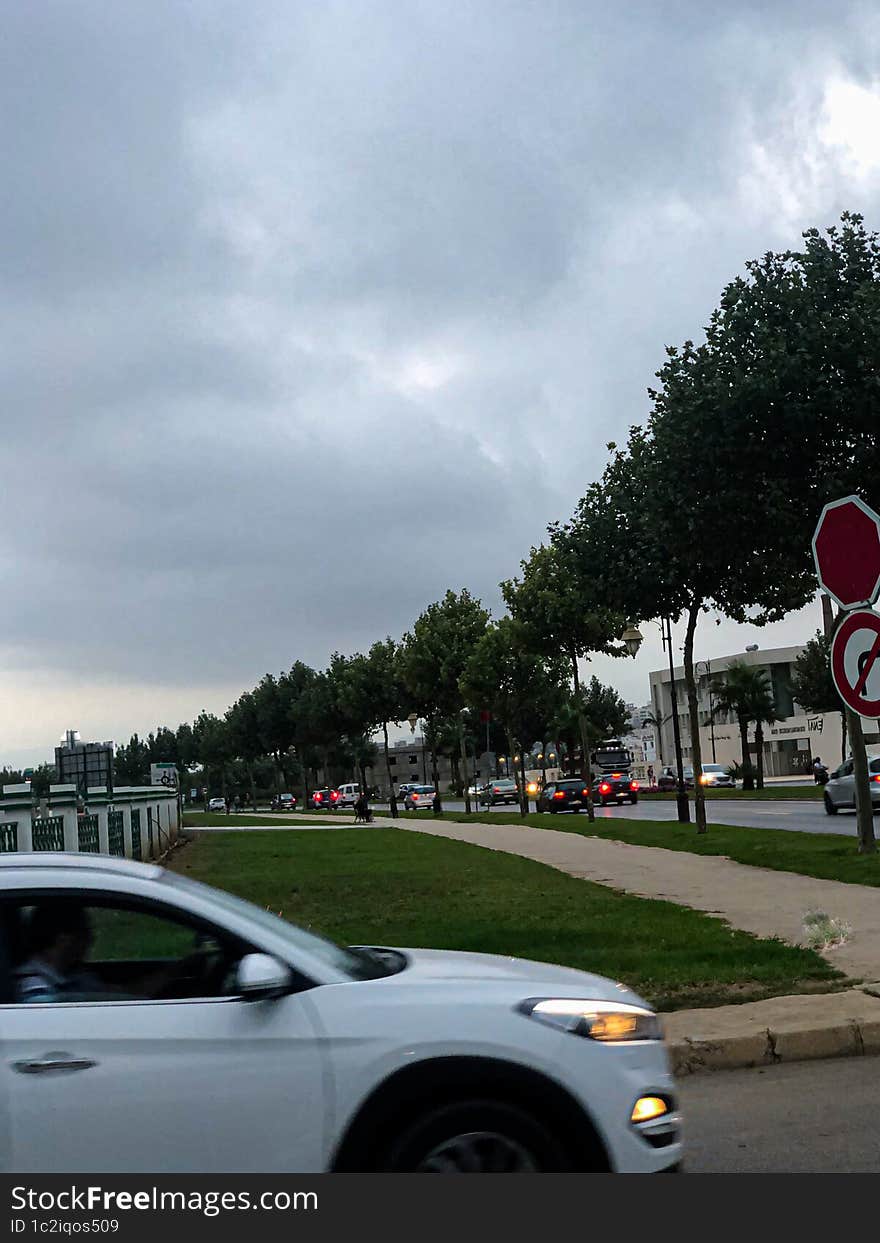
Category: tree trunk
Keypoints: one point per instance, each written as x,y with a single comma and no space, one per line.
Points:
693,712
864,810
362,769
391,794
748,783
759,751
843,737
278,786
463,745
586,775
253,784
523,792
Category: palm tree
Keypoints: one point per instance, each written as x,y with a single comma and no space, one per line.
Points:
656,723
745,692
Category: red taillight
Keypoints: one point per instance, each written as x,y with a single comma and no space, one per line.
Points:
877,778
496,790
334,795
585,793
633,785
414,797
604,787
559,794
319,798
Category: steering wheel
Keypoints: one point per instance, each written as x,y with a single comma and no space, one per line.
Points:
200,973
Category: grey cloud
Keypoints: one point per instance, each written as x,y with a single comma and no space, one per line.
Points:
311,311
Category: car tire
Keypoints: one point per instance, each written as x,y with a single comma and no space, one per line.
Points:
553,810
476,1137
830,807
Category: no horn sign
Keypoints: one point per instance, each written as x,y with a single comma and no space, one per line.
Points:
855,662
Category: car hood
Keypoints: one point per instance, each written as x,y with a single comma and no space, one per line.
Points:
427,966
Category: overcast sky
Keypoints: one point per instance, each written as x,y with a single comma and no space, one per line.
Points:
313,310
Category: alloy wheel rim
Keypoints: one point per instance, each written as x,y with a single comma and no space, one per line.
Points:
478,1152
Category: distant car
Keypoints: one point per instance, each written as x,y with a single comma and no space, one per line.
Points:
349,794
476,790
504,790
325,800
840,791
668,779
284,802
404,788
717,775
217,804
566,795
419,798
615,788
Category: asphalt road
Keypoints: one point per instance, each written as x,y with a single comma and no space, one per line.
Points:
797,1118
797,815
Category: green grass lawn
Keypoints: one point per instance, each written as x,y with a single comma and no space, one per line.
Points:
825,855
218,819
769,793
390,887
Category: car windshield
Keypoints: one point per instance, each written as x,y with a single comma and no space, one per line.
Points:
357,964
422,789
570,785
713,768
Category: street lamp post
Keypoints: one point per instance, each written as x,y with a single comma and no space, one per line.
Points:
684,811
711,704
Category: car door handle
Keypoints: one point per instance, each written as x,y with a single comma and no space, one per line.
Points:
53,1061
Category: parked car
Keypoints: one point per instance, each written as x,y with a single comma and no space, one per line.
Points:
419,798
840,789
363,1059
349,794
615,788
505,790
217,804
325,800
569,794
716,775
283,802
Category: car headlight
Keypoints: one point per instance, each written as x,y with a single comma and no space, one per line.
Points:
611,1022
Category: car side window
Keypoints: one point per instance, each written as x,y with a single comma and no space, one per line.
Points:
846,769
86,949
549,789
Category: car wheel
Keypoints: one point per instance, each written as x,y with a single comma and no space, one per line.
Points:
553,810
634,799
830,808
476,1137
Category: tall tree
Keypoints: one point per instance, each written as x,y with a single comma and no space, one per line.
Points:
812,684
505,675
561,602
435,653
744,692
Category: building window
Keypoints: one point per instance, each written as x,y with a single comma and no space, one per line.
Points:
392,760
413,759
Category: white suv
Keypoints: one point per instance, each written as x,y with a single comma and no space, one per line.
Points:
205,1034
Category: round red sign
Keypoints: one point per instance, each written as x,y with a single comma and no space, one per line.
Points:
855,662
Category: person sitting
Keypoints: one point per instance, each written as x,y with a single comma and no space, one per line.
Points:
60,937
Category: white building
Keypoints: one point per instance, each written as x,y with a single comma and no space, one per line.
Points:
790,745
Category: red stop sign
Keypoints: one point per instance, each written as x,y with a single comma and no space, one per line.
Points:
846,549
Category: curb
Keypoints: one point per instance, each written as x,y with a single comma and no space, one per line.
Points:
780,1029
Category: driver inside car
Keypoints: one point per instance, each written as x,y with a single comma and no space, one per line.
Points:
59,940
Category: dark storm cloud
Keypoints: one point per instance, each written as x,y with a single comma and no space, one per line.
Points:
311,311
